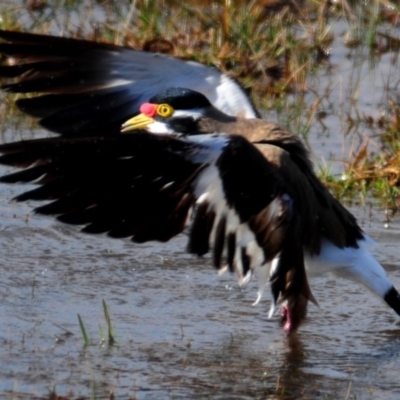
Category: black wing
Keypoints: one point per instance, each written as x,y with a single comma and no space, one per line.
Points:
88,86
146,186
115,185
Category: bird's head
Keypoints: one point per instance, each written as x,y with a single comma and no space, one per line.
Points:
174,110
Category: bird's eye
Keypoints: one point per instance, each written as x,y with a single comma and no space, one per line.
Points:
164,110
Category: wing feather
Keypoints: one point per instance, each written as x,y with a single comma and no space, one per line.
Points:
144,187
96,86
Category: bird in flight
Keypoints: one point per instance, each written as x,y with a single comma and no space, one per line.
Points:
149,145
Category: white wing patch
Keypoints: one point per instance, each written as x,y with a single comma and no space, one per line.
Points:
249,257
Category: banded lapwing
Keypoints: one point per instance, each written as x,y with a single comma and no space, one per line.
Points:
185,155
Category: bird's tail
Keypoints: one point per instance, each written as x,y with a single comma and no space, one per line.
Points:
392,298
359,265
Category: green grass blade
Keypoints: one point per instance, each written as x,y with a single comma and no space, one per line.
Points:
85,336
111,337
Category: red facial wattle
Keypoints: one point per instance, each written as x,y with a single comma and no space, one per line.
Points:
148,109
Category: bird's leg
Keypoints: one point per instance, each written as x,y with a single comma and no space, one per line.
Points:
286,319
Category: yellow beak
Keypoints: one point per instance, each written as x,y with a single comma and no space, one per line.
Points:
141,121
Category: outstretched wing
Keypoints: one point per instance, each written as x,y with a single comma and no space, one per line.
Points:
87,86
147,186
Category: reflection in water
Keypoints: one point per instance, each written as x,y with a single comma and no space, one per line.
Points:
290,375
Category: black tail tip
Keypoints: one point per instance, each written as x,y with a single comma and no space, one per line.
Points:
392,297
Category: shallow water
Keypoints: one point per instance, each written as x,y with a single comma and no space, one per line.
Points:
182,331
